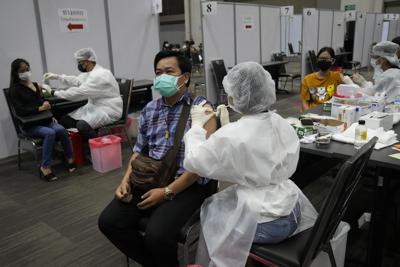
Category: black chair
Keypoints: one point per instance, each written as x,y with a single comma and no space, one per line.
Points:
291,50
348,64
312,60
219,72
282,70
189,234
301,249
25,143
125,89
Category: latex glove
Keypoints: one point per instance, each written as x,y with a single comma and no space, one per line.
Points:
47,88
51,76
200,114
223,114
359,79
347,80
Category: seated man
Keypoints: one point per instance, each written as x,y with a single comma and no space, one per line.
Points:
96,84
168,208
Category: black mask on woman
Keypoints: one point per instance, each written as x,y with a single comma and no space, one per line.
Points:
324,65
80,68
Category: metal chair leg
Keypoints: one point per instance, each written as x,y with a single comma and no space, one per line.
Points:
19,154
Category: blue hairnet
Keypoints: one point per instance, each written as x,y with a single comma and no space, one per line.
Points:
85,54
251,87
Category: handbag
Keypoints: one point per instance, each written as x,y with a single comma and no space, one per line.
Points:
42,118
148,173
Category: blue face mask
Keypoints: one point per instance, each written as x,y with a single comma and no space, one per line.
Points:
166,84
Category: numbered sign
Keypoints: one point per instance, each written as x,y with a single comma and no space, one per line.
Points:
210,8
386,16
309,11
361,15
287,11
157,7
351,15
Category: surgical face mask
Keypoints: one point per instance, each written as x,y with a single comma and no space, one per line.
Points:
81,68
167,85
25,76
324,65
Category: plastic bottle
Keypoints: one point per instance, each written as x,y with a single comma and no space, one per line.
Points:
360,134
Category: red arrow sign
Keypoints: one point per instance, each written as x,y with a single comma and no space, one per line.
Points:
74,26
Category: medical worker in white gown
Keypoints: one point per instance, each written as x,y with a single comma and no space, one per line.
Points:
386,77
258,154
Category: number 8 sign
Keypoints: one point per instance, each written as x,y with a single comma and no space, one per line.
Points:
209,8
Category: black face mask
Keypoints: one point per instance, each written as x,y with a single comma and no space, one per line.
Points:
324,65
80,68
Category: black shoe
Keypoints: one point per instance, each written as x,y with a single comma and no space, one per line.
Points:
71,167
50,177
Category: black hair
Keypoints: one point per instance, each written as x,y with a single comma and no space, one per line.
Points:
327,49
14,77
183,63
396,40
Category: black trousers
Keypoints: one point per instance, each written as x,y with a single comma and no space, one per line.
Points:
86,131
119,223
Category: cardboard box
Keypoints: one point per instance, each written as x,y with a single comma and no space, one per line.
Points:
331,126
361,109
376,120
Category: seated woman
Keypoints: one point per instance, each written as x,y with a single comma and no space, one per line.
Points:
27,99
258,153
386,77
318,87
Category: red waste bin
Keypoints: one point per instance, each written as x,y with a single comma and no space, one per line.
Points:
76,141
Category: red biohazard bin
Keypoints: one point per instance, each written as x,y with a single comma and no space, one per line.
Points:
106,153
76,141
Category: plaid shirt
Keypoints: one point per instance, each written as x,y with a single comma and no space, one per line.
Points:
158,118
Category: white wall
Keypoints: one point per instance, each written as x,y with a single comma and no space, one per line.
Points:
19,39
173,33
364,5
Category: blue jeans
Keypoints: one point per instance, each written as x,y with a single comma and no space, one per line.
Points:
50,133
278,230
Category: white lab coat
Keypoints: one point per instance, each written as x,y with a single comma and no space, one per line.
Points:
101,90
388,82
258,154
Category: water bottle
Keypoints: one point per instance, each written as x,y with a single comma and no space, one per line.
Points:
360,134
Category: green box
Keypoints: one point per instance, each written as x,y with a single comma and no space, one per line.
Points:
302,131
327,106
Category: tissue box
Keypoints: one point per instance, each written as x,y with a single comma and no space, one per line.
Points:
376,119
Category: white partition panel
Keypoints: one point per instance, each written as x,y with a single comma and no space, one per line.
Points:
338,29
325,28
247,33
270,17
60,44
309,36
368,38
285,33
398,28
359,37
392,30
19,39
219,42
378,28
295,32
133,59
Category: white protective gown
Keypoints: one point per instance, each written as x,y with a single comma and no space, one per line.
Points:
101,90
258,153
388,82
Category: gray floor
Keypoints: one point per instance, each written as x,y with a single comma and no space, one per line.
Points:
55,224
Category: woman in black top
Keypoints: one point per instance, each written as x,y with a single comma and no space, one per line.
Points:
27,99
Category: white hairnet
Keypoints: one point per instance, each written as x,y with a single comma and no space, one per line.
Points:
387,50
85,54
251,87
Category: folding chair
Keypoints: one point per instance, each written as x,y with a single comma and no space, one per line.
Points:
302,249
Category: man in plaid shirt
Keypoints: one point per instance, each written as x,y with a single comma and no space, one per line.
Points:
167,208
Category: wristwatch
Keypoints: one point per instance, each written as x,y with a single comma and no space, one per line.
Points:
168,193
